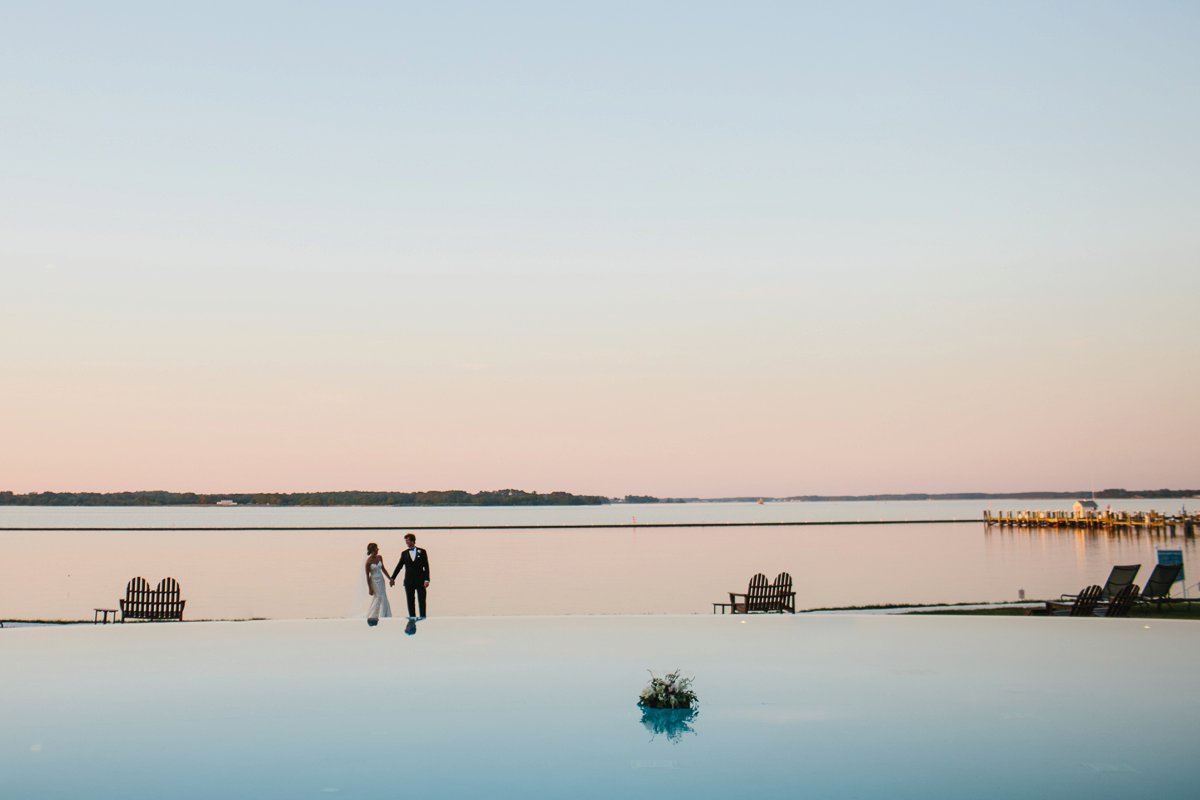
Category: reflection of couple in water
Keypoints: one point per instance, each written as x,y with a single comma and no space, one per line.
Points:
415,563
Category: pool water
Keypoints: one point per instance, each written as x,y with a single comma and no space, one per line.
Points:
836,706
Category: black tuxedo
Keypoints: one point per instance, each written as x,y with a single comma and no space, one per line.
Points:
416,574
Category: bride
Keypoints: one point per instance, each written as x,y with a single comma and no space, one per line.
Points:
376,586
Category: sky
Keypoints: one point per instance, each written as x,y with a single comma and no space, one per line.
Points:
684,249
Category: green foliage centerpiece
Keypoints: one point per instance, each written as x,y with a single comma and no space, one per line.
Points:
668,706
669,691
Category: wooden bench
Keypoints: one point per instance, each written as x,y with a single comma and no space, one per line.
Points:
761,597
142,602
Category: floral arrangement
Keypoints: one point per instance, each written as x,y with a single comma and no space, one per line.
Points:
669,691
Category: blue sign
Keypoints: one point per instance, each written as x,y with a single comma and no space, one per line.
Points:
1172,557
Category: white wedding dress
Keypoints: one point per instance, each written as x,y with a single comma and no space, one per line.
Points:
380,607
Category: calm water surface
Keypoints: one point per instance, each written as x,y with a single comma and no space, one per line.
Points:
295,574
869,708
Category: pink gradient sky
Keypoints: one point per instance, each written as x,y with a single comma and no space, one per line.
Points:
558,258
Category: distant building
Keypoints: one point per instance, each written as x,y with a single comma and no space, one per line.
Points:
233,503
1085,505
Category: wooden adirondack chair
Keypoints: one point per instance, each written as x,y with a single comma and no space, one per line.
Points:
755,598
1084,605
1120,605
783,599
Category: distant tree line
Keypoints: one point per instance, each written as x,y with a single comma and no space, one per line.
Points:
645,498
502,497
508,497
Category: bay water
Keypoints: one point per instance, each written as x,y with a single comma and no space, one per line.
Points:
517,568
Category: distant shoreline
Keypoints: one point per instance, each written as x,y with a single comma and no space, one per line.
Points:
515,497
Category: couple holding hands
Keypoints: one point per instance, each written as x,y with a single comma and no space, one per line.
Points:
415,563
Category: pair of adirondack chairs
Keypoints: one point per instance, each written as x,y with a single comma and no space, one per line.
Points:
763,597
142,602
1090,603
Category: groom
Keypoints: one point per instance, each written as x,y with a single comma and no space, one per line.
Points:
415,563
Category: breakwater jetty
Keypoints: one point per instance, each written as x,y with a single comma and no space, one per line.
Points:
1133,521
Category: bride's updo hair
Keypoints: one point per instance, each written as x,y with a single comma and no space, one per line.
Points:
372,548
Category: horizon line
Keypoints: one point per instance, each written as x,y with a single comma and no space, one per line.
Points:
1109,493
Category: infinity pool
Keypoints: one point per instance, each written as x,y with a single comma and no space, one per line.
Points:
807,706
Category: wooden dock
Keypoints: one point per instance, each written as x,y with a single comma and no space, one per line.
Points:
1131,521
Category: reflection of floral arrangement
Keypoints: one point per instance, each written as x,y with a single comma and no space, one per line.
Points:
669,691
670,722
